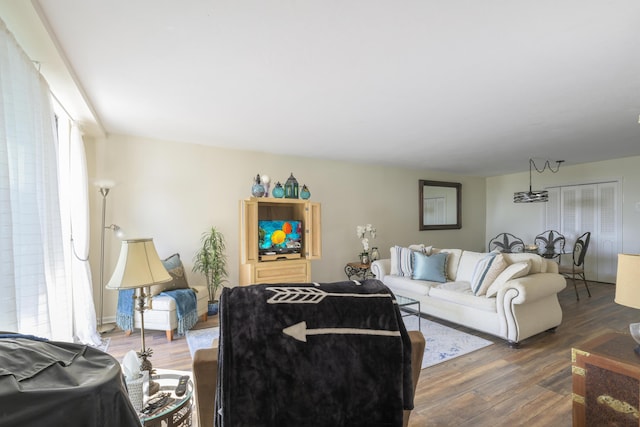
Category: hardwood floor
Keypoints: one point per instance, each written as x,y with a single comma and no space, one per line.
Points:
496,385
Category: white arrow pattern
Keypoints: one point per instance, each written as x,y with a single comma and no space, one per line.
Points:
300,332
308,295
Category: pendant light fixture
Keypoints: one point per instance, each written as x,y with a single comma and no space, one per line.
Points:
535,196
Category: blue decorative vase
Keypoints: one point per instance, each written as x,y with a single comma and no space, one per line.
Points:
258,189
305,193
212,308
278,191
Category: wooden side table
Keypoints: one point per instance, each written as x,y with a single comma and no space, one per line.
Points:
606,382
358,270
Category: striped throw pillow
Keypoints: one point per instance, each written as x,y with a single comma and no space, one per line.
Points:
401,264
486,271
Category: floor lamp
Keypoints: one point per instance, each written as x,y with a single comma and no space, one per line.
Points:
139,267
104,187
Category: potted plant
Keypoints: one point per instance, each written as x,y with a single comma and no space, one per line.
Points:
211,261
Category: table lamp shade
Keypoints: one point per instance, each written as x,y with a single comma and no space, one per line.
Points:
138,266
628,281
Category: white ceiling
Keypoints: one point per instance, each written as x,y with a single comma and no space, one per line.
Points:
469,87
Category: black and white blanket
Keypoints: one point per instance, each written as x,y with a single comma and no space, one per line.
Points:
334,354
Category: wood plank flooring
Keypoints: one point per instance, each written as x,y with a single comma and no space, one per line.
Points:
494,386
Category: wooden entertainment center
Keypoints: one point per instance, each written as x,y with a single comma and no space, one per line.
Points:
278,268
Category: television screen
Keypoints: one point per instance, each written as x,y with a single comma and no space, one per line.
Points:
279,236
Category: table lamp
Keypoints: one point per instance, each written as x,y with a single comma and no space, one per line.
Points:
139,267
628,289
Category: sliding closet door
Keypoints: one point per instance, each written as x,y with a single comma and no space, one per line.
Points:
578,214
576,209
609,243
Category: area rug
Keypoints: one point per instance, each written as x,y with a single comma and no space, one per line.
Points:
442,343
201,338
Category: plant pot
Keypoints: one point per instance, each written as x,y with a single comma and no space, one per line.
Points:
212,308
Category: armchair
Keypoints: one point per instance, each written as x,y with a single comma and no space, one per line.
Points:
163,313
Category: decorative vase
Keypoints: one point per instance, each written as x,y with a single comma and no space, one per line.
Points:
212,308
258,189
364,258
278,191
305,193
374,254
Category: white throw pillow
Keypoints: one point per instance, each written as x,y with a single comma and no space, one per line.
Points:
514,271
536,262
422,248
486,271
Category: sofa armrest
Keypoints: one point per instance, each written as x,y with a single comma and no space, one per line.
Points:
417,353
533,287
381,268
205,380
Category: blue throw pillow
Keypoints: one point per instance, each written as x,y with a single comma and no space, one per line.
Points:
430,267
174,267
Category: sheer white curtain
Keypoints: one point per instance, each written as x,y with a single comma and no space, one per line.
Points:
33,287
46,290
74,200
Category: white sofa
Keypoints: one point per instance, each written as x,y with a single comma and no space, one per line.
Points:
515,308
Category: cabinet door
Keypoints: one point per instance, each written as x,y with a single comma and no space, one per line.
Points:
313,231
248,231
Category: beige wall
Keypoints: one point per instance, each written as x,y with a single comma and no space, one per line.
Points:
528,219
174,191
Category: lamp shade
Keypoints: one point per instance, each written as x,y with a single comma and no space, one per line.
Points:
138,266
628,281
531,196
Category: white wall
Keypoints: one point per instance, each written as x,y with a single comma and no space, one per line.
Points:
527,219
174,191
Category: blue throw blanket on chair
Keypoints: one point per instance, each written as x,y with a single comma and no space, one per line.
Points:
186,309
124,312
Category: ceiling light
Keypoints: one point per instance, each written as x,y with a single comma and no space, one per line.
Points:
535,196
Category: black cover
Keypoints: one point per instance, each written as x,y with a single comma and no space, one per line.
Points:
354,369
48,383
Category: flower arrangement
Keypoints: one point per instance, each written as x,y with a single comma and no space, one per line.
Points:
361,231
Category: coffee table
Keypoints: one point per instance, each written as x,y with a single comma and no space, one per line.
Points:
178,412
409,306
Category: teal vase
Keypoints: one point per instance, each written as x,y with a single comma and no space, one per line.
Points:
305,193
278,191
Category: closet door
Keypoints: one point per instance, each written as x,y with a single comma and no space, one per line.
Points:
553,210
609,242
578,214
577,209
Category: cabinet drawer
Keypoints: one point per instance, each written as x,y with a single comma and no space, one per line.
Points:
282,272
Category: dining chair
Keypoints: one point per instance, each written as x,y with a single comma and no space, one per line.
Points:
550,244
577,267
506,242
